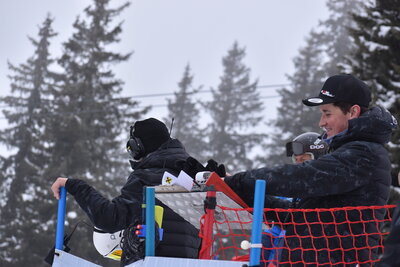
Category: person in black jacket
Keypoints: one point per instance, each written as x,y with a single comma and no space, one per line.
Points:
356,172
154,152
391,255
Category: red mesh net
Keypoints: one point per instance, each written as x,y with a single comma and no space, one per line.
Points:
297,237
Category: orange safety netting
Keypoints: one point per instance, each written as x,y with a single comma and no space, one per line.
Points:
297,237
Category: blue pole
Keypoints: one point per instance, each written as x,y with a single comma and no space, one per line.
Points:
61,219
150,224
255,250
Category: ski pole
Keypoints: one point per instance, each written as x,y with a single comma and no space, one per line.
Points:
61,219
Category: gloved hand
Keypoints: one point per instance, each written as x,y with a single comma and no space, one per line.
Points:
213,166
192,166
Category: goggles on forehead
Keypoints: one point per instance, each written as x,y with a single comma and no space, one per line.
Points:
294,148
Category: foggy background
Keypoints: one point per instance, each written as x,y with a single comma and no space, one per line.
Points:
166,35
231,73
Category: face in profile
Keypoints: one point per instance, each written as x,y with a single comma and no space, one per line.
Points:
333,120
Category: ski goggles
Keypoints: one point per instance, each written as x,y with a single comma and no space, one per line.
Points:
294,148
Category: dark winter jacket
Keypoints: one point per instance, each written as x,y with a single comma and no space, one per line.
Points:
391,256
355,173
180,238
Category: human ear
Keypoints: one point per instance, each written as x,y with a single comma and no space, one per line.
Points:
355,111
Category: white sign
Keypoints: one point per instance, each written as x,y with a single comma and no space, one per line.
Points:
168,179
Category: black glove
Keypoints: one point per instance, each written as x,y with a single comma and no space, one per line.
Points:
213,166
192,166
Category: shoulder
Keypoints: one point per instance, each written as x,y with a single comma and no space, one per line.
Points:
361,149
368,159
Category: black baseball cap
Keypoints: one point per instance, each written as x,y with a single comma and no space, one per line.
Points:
342,88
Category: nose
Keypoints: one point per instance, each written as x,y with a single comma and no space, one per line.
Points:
322,122
298,159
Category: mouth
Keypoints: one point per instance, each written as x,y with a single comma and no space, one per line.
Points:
327,131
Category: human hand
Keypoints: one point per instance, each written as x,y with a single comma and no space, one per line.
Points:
213,166
192,166
60,182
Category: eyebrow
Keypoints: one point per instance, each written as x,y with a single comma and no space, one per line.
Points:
325,110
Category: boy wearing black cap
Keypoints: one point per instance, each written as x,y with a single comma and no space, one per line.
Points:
356,172
342,98
154,152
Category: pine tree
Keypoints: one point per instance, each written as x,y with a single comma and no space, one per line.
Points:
26,200
183,109
324,55
377,60
335,38
235,109
91,121
91,117
293,117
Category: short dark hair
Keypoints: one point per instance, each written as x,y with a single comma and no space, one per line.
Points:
345,107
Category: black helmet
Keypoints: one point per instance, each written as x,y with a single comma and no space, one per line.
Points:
309,142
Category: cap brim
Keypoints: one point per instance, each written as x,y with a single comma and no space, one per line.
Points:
316,101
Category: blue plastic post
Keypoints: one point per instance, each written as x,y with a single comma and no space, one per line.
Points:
61,219
255,252
150,223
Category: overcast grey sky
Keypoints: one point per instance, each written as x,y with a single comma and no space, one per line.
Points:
165,35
